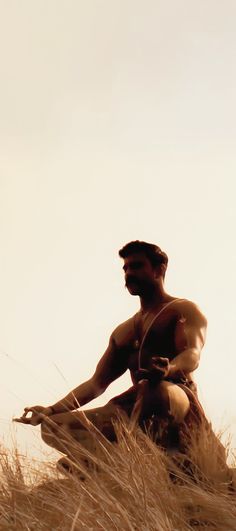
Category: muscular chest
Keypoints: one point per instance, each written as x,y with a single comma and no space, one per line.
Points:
152,338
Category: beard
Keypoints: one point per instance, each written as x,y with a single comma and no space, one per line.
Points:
139,287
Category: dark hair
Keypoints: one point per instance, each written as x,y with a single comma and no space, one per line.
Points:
151,251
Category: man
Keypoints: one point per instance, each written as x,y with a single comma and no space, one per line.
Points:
160,345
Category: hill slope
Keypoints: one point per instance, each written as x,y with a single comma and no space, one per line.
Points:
131,485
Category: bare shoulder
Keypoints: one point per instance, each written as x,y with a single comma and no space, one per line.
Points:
124,332
190,310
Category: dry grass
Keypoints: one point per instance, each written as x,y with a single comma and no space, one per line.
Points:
130,485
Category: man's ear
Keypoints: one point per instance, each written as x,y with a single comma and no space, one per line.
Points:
160,271
163,270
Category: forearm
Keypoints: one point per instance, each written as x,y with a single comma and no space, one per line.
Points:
79,396
184,363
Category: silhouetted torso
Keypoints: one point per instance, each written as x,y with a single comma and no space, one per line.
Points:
161,338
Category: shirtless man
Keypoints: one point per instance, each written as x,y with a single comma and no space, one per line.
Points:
160,345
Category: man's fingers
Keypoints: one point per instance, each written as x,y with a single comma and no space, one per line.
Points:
32,409
26,411
162,362
34,421
22,419
159,358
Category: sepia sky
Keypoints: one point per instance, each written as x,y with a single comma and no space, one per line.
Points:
117,122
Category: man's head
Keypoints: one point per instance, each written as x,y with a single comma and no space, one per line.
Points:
144,265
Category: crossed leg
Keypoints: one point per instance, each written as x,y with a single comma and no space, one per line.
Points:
63,430
166,400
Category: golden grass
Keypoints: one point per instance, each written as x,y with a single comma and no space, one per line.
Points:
131,485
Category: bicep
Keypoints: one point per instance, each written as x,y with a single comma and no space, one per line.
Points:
190,330
112,364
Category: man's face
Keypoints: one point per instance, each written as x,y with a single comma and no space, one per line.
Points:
140,275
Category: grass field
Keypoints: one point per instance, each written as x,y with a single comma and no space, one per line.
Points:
130,485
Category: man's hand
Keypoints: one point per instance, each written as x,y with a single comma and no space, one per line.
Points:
38,413
157,370
160,366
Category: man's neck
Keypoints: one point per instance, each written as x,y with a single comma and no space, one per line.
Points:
154,300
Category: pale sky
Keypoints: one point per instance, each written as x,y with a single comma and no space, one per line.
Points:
117,122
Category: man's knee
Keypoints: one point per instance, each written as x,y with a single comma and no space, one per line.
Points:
46,432
65,438
59,437
162,399
173,401
52,432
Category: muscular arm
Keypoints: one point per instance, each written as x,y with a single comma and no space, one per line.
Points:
190,337
110,367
